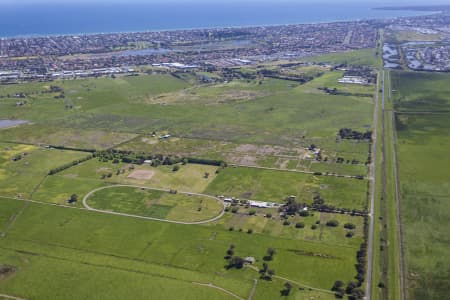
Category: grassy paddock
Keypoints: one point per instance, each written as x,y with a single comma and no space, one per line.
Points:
75,237
272,185
155,204
24,175
423,144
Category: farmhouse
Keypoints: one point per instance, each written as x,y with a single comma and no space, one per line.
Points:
250,260
261,204
354,80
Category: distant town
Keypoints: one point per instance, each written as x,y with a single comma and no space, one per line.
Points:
74,56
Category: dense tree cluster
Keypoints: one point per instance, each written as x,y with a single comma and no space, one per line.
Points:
348,133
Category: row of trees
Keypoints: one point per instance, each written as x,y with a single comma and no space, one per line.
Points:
139,158
71,164
354,288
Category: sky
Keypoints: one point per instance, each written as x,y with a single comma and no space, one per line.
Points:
378,2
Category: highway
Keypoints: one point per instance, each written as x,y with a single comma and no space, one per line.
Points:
372,198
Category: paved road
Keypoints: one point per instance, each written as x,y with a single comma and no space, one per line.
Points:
86,205
372,198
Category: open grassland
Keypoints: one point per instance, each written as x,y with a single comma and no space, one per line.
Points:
22,176
92,174
421,92
278,112
80,95
155,204
67,137
48,240
269,222
270,156
423,144
273,185
63,253
189,177
358,57
401,36
213,94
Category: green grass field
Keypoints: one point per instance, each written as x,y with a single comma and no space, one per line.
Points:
273,185
358,57
155,204
278,112
23,176
417,91
73,253
423,144
94,243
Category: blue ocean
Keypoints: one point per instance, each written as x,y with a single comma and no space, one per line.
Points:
72,18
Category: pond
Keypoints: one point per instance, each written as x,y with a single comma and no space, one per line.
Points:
11,123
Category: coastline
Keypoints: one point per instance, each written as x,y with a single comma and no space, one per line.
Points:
208,27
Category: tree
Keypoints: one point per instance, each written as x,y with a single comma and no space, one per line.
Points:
338,287
270,253
206,175
236,262
351,286
264,268
300,225
357,294
332,223
287,289
349,226
73,198
304,213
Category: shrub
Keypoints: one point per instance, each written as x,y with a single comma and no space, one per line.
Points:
250,231
175,168
269,215
314,227
252,212
304,213
300,225
286,223
349,234
234,209
333,223
349,226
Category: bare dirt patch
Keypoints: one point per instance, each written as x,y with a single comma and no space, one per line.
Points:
141,174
